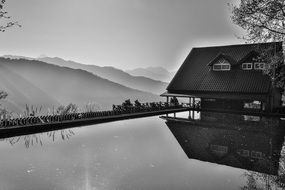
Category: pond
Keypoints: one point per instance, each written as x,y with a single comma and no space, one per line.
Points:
147,153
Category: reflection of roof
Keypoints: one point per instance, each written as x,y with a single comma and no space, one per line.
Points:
196,141
196,76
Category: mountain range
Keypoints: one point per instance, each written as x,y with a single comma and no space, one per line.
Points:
37,83
113,74
155,73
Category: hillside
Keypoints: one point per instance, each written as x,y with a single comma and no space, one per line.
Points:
156,73
21,92
113,74
38,83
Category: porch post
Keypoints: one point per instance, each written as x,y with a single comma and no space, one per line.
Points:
189,107
167,104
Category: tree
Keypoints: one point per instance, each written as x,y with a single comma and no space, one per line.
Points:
264,21
3,95
3,112
4,16
8,24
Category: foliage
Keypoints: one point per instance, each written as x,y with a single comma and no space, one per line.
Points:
4,15
70,108
275,68
260,181
4,114
174,101
3,95
251,183
137,103
31,140
127,103
32,111
91,107
256,181
264,21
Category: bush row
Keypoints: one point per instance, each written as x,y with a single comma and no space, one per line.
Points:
75,116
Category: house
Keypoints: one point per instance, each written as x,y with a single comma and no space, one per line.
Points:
227,77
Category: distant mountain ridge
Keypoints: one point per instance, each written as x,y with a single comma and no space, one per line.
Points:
17,57
145,79
156,73
38,83
116,75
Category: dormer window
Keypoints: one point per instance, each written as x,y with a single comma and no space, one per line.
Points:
246,66
259,66
222,65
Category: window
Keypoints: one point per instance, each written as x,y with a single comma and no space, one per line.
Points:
252,105
219,148
209,100
255,154
259,66
222,65
244,153
246,66
251,118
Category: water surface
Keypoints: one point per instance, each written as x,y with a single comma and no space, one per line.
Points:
131,154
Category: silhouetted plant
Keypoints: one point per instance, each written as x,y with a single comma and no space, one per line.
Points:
4,114
3,95
70,108
137,103
174,101
127,103
91,107
30,140
32,111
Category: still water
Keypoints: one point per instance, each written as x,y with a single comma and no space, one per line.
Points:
148,153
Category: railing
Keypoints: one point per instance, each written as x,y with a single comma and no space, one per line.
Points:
196,105
117,110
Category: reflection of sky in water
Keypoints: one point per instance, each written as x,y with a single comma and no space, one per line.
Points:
130,154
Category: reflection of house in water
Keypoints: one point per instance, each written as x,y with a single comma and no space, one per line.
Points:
252,150
228,120
248,122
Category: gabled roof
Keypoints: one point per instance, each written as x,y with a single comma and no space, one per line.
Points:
220,56
250,54
195,75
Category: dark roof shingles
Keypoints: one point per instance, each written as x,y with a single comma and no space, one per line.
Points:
195,74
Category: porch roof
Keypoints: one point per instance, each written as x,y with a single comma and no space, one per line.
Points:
231,96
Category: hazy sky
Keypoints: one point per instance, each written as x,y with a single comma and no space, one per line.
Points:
121,33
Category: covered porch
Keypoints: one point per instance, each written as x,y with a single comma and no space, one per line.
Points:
222,101
193,100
